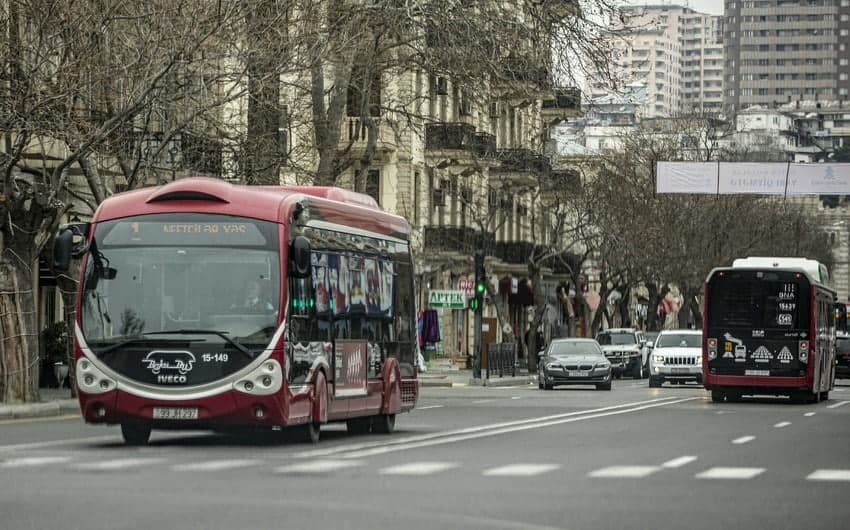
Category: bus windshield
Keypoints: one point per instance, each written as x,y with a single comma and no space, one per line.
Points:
746,303
205,286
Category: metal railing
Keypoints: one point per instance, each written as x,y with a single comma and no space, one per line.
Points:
501,358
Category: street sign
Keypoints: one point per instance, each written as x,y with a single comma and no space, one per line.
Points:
447,299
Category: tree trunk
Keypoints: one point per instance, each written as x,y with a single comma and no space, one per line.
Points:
652,307
18,334
67,283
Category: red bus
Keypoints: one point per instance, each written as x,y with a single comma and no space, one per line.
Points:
207,305
768,329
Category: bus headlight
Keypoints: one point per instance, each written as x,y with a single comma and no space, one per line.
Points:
91,380
264,380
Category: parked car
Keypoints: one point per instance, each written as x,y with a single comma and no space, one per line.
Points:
574,361
842,355
676,357
625,348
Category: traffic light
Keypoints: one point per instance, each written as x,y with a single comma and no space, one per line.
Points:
476,303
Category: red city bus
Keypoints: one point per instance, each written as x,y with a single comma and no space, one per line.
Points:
207,305
768,330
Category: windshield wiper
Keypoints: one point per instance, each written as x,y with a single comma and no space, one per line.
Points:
113,347
221,334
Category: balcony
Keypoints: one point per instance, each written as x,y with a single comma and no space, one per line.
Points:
524,161
514,252
463,240
527,70
355,133
449,136
562,103
484,145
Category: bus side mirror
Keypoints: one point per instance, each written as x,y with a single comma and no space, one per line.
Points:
299,257
69,243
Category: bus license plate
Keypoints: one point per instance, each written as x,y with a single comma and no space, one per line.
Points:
578,374
756,372
171,413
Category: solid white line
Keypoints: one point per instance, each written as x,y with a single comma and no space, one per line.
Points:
624,472
516,397
317,466
430,407
782,424
468,430
459,438
678,462
215,465
113,465
832,475
418,468
34,461
483,400
520,470
743,440
836,405
809,414
733,473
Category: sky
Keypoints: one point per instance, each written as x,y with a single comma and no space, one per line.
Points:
712,7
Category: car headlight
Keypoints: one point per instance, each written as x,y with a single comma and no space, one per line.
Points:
658,358
552,366
603,366
699,360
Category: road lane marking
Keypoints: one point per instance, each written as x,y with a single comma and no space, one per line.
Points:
782,424
317,467
836,405
678,462
743,440
520,470
389,448
33,461
478,429
115,465
731,473
418,468
430,407
216,465
624,472
516,397
809,414
64,417
831,475
483,401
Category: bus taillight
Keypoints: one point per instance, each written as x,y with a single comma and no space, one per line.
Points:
804,351
712,349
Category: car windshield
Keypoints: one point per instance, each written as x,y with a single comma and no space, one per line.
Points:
679,341
607,339
568,348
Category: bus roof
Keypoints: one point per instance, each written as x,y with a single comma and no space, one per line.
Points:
815,269
269,203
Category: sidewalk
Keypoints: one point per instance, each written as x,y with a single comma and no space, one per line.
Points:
54,402
454,378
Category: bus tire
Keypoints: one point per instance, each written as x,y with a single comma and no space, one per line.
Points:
135,433
383,423
824,396
717,396
359,425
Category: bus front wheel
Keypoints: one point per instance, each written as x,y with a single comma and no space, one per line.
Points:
135,433
383,423
718,396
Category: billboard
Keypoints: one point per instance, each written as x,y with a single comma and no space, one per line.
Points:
752,178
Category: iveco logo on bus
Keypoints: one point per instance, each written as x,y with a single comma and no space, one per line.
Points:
164,364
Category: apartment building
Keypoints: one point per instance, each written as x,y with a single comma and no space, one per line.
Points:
783,50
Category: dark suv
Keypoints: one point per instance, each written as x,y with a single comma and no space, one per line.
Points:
842,356
625,350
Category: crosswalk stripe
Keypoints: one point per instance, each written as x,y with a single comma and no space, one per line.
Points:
733,473
834,475
836,405
782,424
318,466
520,470
113,465
678,462
215,465
743,440
33,461
418,468
624,472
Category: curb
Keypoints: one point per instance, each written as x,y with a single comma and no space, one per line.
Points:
439,383
503,381
40,410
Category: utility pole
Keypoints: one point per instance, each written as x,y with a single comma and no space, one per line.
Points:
477,305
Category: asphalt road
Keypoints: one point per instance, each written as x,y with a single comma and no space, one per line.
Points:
469,457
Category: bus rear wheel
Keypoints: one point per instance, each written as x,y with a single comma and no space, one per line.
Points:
136,433
383,423
718,396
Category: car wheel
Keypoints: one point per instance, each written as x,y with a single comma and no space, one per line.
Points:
718,396
637,371
824,396
654,382
618,376
548,386
603,386
135,433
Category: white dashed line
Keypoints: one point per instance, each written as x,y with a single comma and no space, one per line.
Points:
782,424
836,405
624,472
520,470
418,468
809,414
215,465
678,462
516,397
831,475
732,473
430,407
33,461
743,440
318,466
483,401
115,465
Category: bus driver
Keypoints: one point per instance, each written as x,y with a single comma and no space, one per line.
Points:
252,300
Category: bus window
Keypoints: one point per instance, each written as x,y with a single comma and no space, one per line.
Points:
742,303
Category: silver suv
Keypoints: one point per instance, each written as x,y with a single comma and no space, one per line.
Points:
676,357
625,349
